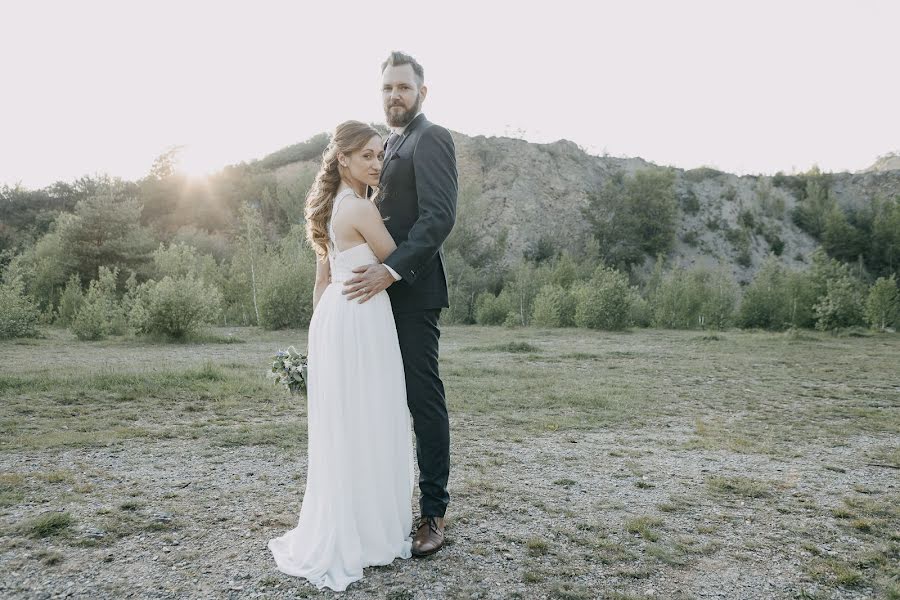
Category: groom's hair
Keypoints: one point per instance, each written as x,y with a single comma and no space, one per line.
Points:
397,59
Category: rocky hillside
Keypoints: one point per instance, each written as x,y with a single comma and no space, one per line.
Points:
538,190
888,162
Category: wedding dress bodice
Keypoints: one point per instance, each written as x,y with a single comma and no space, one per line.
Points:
343,262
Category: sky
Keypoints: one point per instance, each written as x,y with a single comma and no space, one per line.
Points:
746,87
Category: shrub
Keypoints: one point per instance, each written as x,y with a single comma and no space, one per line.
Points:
696,298
842,305
176,307
492,310
765,301
633,216
776,244
801,297
18,314
701,174
554,307
690,204
720,297
285,298
565,271
70,301
183,260
740,240
883,303
100,314
522,286
641,315
746,219
604,302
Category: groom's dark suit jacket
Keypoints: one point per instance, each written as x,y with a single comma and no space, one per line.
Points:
419,188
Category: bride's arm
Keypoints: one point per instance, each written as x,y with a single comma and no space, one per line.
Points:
368,223
323,278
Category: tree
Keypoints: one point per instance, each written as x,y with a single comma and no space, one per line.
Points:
885,238
815,205
554,306
101,313
252,247
765,302
631,217
841,240
842,305
18,315
105,231
70,301
165,164
883,303
605,301
687,299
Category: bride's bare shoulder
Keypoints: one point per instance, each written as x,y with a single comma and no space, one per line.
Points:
362,209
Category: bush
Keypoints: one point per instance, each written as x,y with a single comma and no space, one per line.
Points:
554,307
100,314
175,307
604,302
90,323
720,297
801,297
641,315
70,301
492,310
765,301
183,260
696,298
690,204
842,305
883,303
18,314
565,271
285,298
633,216
691,238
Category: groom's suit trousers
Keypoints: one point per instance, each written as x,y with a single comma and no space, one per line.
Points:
418,334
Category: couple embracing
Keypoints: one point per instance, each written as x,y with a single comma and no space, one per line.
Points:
376,215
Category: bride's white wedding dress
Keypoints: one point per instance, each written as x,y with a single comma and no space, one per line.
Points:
356,509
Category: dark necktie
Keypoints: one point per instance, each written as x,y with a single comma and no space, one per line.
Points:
391,144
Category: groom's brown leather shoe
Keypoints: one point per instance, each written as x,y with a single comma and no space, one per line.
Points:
429,536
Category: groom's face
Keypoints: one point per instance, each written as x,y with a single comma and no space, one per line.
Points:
401,94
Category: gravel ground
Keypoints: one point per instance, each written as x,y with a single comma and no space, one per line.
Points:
542,517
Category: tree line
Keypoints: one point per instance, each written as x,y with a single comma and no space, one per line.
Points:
166,254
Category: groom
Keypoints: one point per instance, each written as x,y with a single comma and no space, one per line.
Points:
419,182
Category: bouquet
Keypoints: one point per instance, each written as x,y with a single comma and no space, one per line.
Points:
289,368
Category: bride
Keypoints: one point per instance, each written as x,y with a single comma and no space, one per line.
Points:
356,508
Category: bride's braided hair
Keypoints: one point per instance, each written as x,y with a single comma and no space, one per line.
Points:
348,137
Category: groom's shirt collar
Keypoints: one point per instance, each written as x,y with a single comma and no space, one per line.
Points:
400,130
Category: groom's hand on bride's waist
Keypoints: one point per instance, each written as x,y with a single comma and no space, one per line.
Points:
369,280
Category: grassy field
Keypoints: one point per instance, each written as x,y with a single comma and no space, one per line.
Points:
643,464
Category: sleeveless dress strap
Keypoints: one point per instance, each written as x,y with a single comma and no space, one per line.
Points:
334,208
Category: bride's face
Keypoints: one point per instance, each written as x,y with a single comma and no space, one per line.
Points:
365,164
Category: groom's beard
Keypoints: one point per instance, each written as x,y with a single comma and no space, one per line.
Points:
402,118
